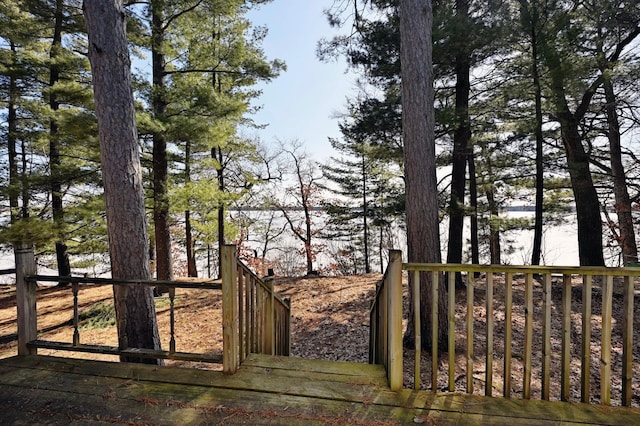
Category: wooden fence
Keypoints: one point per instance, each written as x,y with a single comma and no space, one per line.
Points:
259,319
264,325
386,322
575,364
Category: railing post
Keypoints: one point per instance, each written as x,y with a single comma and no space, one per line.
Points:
394,318
627,341
271,319
230,320
287,333
26,298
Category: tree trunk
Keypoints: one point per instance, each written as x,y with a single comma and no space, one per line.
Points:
307,242
12,141
536,251
585,195
380,250
365,214
24,184
164,263
192,270
586,198
620,191
416,18
495,251
122,174
473,202
461,140
217,154
62,255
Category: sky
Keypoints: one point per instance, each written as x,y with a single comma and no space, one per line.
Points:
302,102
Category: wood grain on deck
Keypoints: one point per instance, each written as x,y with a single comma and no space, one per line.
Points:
266,390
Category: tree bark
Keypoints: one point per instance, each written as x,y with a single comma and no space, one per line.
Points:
495,250
584,191
621,193
62,254
585,195
365,214
473,202
461,140
423,236
192,270
164,263
217,154
536,251
122,174
12,141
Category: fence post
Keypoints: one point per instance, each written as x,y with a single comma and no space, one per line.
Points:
394,318
230,320
26,298
271,319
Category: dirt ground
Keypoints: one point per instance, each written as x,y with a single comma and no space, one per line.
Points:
330,320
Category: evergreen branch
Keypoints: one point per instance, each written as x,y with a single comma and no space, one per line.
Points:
204,70
179,14
588,95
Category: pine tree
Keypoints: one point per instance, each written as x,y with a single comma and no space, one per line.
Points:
51,126
368,189
213,59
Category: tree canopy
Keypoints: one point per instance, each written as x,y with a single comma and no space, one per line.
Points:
534,105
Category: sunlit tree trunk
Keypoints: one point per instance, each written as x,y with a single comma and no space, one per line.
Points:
423,236
121,172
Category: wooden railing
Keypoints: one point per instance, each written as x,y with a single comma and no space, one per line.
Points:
386,322
255,319
258,320
76,346
580,356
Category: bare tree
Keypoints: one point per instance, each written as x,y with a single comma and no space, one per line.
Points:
121,172
301,196
423,237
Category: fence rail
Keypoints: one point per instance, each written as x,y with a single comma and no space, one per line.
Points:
77,346
533,302
251,311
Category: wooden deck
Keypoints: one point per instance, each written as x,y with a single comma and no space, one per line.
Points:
265,390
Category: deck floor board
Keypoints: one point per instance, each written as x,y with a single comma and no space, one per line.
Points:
266,390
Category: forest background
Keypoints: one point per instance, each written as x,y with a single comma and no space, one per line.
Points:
535,106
